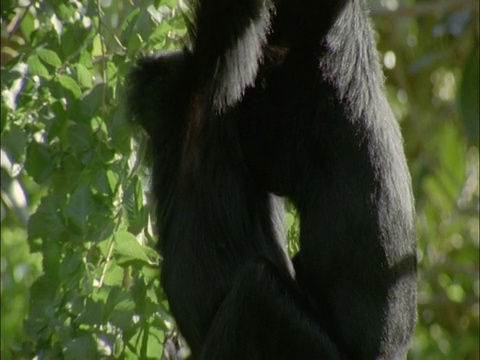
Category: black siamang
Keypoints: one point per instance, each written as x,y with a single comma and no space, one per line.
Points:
283,97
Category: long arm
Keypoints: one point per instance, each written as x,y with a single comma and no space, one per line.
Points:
228,47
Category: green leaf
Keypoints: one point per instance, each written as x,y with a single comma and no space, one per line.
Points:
42,303
79,208
93,313
155,340
81,348
72,169
100,182
136,212
114,275
128,249
28,25
39,163
121,132
14,142
80,137
74,37
49,57
84,76
93,100
115,296
36,67
46,222
70,85
128,24
66,10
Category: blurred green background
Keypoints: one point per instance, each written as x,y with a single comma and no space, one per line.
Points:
78,277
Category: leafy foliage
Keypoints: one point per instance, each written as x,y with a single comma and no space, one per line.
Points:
79,273
69,154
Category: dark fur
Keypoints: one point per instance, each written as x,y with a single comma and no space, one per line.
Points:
311,123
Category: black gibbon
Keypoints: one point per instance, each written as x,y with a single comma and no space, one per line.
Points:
280,97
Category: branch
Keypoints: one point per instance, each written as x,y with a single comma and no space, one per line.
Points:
425,9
